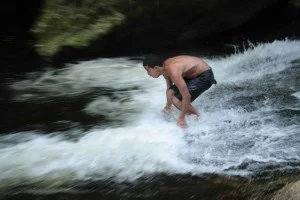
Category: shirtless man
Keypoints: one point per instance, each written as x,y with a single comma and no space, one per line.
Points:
186,76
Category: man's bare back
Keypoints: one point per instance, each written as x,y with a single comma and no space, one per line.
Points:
189,66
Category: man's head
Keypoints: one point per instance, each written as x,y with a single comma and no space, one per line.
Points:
153,65
153,60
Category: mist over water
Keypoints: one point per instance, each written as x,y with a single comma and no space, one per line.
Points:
249,123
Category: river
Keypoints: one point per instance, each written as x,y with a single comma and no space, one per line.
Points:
98,124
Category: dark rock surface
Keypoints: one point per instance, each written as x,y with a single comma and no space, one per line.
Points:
179,187
227,22
18,54
203,25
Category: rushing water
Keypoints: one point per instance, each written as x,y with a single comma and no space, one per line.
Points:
249,124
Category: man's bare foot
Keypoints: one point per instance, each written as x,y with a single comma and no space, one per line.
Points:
166,110
194,116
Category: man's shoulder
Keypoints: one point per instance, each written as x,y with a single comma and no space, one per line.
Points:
172,66
176,60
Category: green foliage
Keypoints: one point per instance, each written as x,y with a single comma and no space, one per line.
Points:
64,22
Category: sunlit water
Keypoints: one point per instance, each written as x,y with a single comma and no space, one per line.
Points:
249,124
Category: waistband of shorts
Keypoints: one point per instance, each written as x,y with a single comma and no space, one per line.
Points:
206,71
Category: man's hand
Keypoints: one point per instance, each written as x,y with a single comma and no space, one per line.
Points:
181,122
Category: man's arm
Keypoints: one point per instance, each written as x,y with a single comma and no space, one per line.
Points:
169,100
186,97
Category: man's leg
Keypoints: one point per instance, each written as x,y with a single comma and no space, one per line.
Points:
170,94
177,103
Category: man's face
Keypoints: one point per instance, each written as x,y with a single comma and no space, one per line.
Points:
153,72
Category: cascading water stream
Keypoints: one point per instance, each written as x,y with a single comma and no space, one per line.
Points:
249,122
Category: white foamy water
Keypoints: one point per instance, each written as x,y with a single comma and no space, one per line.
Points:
249,120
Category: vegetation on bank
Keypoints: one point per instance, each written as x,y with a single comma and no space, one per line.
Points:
74,23
78,22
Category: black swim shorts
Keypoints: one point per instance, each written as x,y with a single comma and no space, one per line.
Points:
196,86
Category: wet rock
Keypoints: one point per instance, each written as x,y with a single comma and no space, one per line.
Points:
289,192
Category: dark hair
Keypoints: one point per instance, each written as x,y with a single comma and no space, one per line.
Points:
154,60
